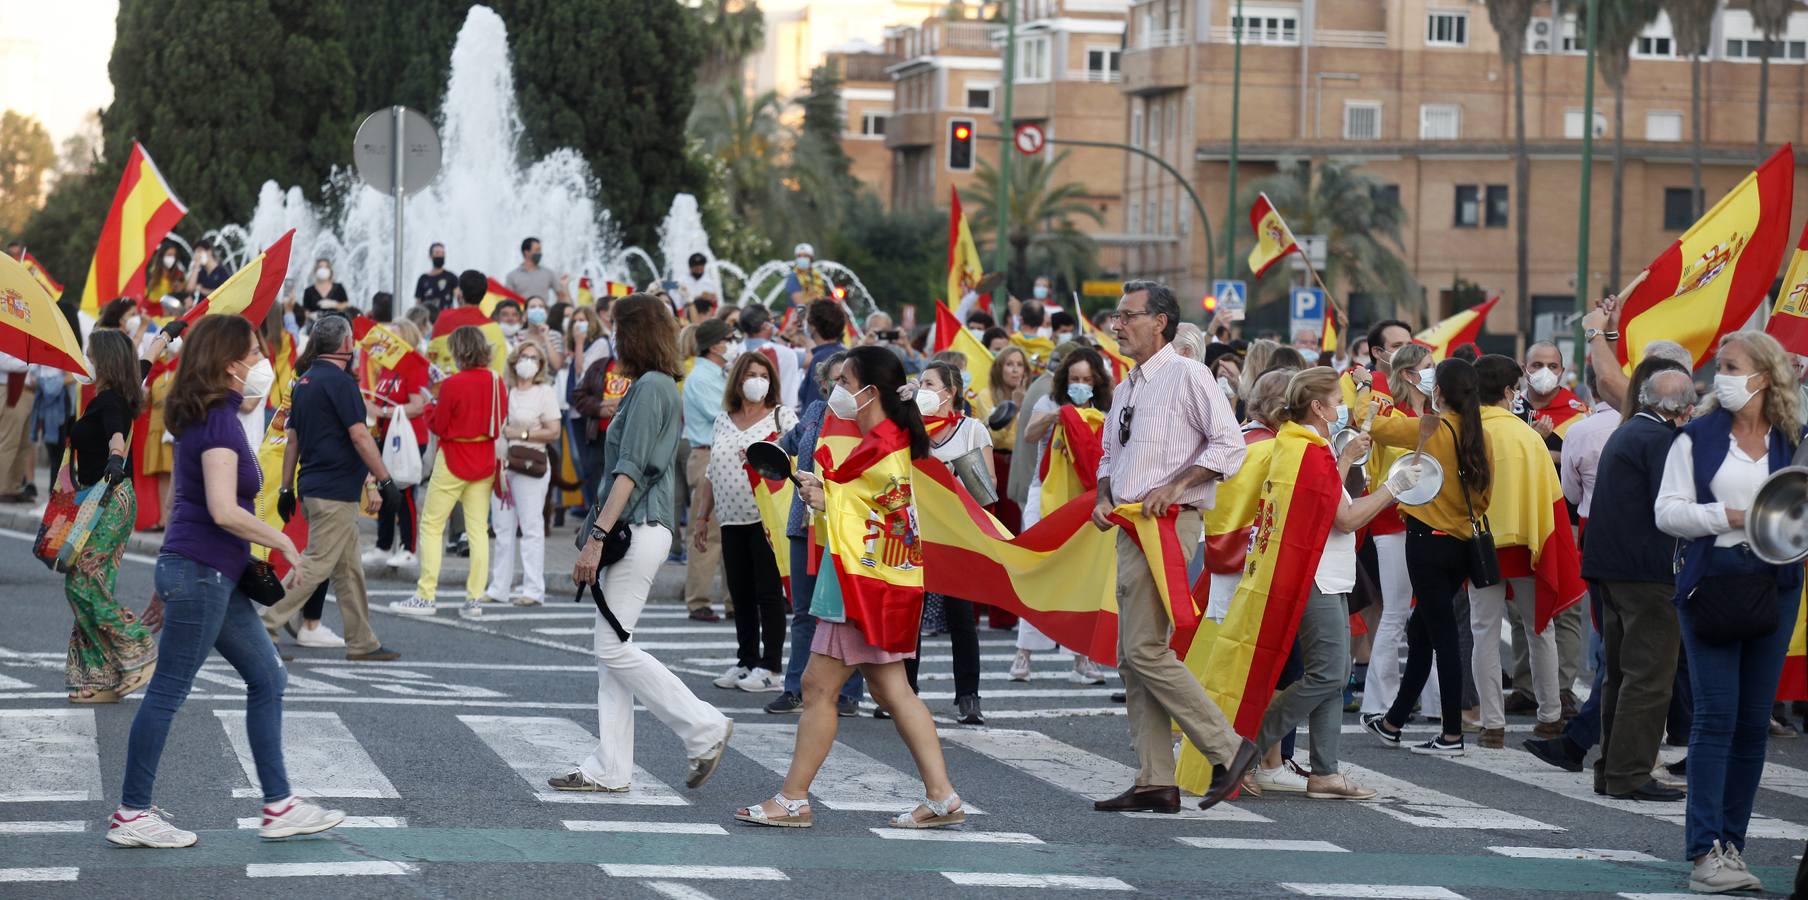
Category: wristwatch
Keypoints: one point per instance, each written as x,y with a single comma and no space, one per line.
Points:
1590,334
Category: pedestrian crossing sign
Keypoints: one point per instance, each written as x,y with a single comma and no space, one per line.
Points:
1231,294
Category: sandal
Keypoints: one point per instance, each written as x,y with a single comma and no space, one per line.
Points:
576,780
136,680
942,813
89,695
797,813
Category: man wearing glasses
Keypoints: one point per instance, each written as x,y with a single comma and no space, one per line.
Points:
1170,458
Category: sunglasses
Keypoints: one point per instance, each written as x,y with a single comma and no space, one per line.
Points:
1123,424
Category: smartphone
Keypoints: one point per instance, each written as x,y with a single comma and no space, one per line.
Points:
888,335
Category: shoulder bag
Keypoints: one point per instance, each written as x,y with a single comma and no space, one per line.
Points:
616,542
1484,563
1727,609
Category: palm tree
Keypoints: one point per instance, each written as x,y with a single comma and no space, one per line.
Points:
1692,21
1771,18
1620,25
1041,217
1510,18
732,30
1359,223
746,135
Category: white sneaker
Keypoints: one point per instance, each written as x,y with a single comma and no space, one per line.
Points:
146,828
401,559
293,816
732,678
1085,671
1717,874
374,556
761,681
1020,666
1279,779
318,636
1733,858
473,609
413,606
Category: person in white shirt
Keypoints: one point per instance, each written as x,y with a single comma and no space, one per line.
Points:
760,334
533,422
697,282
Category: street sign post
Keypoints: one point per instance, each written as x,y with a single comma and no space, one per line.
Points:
397,152
1233,296
1305,312
1311,252
1029,139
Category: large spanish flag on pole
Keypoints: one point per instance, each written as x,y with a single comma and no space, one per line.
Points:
32,327
1457,330
1529,518
1789,320
1299,503
949,335
1071,465
1711,280
964,267
440,354
1273,238
495,293
144,210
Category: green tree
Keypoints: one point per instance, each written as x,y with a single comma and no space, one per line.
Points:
1510,18
1771,18
746,135
1693,23
26,156
901,256
732,31
1041,217
1620,25
1362,230
731,236
402,52
820,166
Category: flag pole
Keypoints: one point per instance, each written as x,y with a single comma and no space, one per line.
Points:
1343,313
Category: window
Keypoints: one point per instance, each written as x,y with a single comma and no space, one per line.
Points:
1136,122
1753,48
1361,121
1572,123
1663,126
1136,216
1387,195
1679,208
1447,29
1647,45
1155,126
1032,59
1468,206
1270,26
1101,64
1495,216
1440,122
979,97
873,124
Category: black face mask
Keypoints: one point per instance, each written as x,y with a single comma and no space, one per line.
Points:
439,262
697,273
536,258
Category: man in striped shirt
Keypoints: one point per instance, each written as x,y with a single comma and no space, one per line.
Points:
1170,457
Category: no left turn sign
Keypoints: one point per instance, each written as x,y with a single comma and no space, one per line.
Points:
1029,139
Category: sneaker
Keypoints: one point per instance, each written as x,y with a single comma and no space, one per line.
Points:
969,710
1336,787
146,828
1437,747
293,816
1280,780
1020,666
319,636
1085,671
1782,729
704,766
1734,858
1372,721
732,677
1717,874
761,681
848,708
462,546
413,606
401,559
473,608
786,702
375,556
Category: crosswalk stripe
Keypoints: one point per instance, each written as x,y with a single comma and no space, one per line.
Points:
303,870
956,836
322,756
1016,880
48,755
1072,769
350,822
1784,780
1578,853
42,827
538,747
296,684
9,683
1423,807
848,780
1211,843
644,827
1384,891
718,873
41,873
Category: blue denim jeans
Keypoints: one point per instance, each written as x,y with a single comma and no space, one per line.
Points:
202,611
1733,686
803,625
1585,729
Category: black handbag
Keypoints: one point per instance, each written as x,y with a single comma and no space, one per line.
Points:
1727,609
1484,562
261,584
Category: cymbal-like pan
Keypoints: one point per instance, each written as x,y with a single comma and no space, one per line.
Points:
1431,478
1776,526
1342,439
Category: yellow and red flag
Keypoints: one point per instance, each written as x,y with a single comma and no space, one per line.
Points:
585,296
1300,496
144,210
439,354
964,267
949,335
253,289
1789,319
1456,331
269,460
1228,522
1120,364
871,539
1529,517
40,273
496,293
1071,465
1328,343
385,351
1793,685
1273,238
1564,409
773,497
1711,280
32,326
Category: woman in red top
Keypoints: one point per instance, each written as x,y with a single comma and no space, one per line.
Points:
467,419
405,386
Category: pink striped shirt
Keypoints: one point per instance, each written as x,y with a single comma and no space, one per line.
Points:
1181,420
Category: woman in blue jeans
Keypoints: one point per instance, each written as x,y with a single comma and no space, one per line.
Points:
1748,429
205,551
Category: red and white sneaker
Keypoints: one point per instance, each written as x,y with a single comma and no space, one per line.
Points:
146,828
292,815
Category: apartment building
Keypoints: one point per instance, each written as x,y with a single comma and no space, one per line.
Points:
948,78
1416,93
867,97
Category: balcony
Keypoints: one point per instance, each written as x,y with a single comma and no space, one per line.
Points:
856,67
963,36
1153,70
1156,38
1093,76
910,129
1351,40
1288,37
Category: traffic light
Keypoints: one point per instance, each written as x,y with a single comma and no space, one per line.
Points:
960,145
1210,303
839,292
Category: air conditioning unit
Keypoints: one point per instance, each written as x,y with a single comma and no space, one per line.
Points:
1541,36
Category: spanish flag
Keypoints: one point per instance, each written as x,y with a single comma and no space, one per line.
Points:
496,293
252,290
1120,364
1038,349
1228,522
773,497
1071,465
585,296
282,359
949,335
1300,495
144,210
1789,320
871,539
1328,343
1529,518
1456,331
964,268
32,327
1273,238
1711,280
385,351
1793,685
1564,410
439,354
269,460
40,273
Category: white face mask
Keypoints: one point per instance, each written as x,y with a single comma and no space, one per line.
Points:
1542,381
1225,386
732,352
259,379
803,262
526,368
1045,332
131,323
169,260
755,388
323,274
928,402
1428,380
1731,391
844,404
580,327
510,329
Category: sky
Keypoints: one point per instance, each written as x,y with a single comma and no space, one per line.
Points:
53,60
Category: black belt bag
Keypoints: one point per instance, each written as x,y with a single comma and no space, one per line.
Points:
1727,609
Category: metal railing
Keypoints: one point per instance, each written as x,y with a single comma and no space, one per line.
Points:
1357,40
1094,76
864,66
1161,37
961,36
1222,34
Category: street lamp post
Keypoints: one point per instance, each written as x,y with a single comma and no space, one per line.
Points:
1236,102
1588,154
1006,125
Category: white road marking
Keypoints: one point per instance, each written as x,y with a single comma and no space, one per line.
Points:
297,684
1209,843
849,779
1014,880
42,827
48,873
1784,780
322,756
1423,807
1659,896
970,837
1072,769
1392,891
48,755
303,870
1578,853
644,827
9,683
677,891
717,873
350,822
539,747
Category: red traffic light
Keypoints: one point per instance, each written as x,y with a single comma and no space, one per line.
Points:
840,292
961,132
1209,302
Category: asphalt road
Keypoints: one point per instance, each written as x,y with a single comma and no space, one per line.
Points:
442,757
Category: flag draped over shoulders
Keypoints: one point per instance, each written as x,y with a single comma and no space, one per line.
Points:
439,351
1228,522
870,534
1793,685
1071,465
773,497
1527,511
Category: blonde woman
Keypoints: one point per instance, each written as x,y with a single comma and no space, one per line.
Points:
533,422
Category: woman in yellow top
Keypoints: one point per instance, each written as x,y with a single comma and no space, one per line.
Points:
1437,551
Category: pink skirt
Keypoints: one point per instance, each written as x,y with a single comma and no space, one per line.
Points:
845,642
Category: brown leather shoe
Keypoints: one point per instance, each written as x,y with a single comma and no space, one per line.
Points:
1233,775
1547,730
1493,738
1141,799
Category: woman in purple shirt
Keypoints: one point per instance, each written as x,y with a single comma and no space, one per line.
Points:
205,552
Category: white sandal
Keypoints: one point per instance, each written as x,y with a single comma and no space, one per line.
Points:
797,813
942,814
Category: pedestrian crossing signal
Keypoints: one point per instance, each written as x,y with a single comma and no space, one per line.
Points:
960,145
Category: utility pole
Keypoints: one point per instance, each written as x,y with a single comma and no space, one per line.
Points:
1236,103
1588,159
1005,150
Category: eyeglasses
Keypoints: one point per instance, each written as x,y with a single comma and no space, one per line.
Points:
1132,313
1123,424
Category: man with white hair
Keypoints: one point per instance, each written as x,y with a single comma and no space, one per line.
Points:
805,282
1189,342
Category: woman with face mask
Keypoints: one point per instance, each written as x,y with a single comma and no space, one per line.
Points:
406,386
1735,609
533,422
1082,384
536,322
167,275
323,294
750,564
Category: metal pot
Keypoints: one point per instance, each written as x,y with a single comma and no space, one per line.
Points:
970,468
1431,478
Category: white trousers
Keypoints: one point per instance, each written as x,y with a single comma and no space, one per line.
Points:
527,502
625,673
1487,607
1385,661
